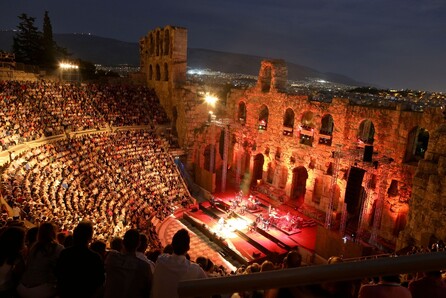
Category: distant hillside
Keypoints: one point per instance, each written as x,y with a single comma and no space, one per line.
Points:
111,52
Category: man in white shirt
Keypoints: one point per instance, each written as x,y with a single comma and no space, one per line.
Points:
143,244
171,269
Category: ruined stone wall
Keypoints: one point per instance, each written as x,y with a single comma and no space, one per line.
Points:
305,145
388,178
163,61
427,215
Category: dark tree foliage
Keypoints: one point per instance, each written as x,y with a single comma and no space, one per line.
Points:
37,48
48,44
27,45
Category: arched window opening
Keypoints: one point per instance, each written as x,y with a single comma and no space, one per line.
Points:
417,143
150,72
207,158
326,132
299,185
152,45
158,73
366,132
166,42
265,80
257,173
263,118
241,115
288,123
307,129
158,41
166,72
392,191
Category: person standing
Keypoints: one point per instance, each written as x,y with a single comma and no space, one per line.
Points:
126,274
79,270
171,269
39,279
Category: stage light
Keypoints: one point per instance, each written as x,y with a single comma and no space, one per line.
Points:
65,65
210,99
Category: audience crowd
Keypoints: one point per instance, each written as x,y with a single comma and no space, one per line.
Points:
116,180
31,110
38,263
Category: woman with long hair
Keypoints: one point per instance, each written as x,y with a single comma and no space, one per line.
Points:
39,280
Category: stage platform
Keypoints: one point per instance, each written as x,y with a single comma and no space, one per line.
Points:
247,229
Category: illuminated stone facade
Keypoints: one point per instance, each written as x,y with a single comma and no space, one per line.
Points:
313,155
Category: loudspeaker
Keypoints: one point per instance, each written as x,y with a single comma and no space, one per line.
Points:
353,189
368,152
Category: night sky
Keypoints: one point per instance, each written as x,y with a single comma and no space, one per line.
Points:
391,43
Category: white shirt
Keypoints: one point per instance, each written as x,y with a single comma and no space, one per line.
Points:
169,271
143,257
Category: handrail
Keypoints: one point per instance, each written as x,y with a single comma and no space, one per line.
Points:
313,274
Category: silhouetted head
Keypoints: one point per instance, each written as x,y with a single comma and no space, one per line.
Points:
293,259
83,233
180,242
131,240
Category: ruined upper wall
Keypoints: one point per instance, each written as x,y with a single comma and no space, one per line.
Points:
163,56
273,76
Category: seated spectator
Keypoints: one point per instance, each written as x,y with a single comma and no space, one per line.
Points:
38,280
99,247
140,252
389,286
171,269
79,270
430,285
126,274
116,244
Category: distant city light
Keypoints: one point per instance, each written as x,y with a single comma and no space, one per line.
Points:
322,81
65,65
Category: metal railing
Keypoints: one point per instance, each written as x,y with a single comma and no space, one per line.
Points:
313,274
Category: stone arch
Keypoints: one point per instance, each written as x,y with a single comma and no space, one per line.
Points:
417,142
288,122
157,72
157,43
152,44
207,158
257,171
241,112
166,72
326,131
299,184
263,118
265,79
166,42
150,72
307,128
366,132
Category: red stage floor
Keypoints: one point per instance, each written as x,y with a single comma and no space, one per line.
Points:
237,232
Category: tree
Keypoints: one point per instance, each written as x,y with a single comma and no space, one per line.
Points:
48,44
27,42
